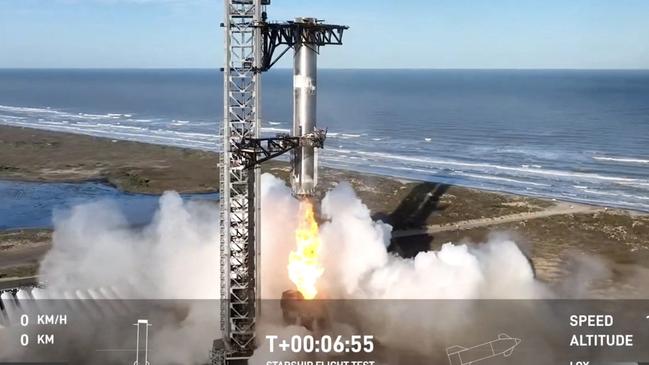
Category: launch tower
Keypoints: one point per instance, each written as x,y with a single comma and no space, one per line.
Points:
251,43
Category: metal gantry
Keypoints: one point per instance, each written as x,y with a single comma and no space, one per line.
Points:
287,35
238,192
249,46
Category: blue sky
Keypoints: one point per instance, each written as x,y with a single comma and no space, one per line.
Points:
383,34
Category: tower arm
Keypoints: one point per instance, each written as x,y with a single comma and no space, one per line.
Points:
254,151
287,35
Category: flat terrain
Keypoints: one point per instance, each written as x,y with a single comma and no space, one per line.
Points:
30,154
423,214
21,251
561,208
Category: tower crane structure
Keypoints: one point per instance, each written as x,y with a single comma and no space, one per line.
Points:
253,45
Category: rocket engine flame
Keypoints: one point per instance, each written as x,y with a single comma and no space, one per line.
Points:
304,264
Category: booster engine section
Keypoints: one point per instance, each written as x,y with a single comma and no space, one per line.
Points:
304,159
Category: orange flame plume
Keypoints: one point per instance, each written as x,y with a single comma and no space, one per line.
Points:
304,266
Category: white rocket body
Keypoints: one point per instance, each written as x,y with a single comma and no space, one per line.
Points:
304,176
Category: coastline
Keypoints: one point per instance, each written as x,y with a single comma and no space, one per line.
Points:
423,214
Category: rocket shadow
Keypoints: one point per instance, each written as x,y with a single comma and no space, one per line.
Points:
414,211
409,247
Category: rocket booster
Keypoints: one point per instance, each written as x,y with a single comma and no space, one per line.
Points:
504,345
304,159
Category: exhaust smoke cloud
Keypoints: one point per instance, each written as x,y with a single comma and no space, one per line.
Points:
176,256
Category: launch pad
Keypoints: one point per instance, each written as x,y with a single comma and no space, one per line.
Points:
296,311
251,44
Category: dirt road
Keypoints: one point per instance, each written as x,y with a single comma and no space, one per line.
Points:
558,209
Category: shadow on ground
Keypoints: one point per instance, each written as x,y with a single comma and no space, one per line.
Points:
413,212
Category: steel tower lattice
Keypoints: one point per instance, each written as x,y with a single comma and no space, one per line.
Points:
250,43
239,193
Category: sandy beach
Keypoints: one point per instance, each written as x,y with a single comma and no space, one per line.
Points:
424,214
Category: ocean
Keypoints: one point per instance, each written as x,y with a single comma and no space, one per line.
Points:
581,136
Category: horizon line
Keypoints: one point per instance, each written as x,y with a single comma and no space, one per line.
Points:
340,68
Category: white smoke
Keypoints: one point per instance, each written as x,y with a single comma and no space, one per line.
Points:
279,221
358,265
177,256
